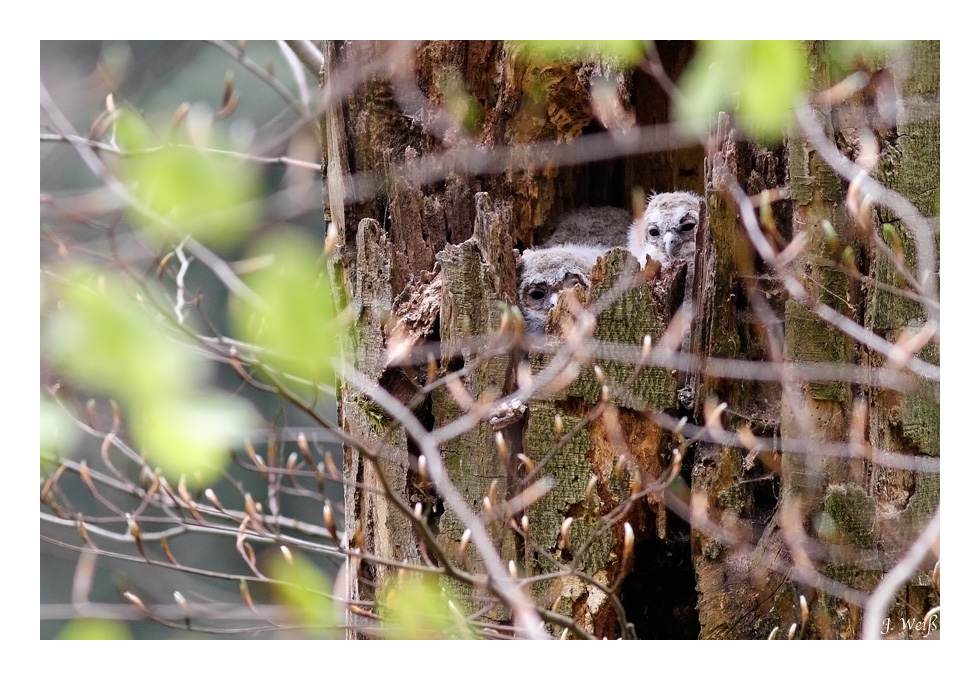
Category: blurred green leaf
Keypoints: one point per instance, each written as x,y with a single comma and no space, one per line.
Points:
94,629
417,609
192,433
297,323
629,51
211,196
58,434
305,591
103,339
458,101
846,53
759,79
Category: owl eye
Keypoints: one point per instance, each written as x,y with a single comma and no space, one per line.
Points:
537,294
654,231
688,223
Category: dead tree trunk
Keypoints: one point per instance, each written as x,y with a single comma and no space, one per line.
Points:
862,515
428,260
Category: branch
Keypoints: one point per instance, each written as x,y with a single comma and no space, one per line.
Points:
308,55
925,247
95,164
525,614
129,153
881,598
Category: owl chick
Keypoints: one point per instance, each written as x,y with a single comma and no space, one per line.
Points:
545,272
666,229
603,227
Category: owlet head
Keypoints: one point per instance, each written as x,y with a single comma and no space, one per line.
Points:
666,230
545,272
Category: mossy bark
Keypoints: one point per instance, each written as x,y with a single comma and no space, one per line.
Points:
906,501
736,597
403,246
593,544
441,254
865,515
829,495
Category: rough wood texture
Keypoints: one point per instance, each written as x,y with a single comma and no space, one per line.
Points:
675,170
735,600
823,487
851,506
449,249
595,448
370,515
445,285
471,308
905,501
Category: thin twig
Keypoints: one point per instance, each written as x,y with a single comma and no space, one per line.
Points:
132,153
308,55
881,597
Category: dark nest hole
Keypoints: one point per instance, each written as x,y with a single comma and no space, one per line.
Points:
659,595
615,180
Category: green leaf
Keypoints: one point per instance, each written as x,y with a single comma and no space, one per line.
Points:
94,629
210,195
846,53
103,339
774,78
629,51
193,433
759,80
418,610
297,323
58,434
460,104
305,591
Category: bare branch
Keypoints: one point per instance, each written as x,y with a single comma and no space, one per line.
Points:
881,598
308,55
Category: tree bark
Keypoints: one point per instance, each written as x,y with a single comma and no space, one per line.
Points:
864,514
435,263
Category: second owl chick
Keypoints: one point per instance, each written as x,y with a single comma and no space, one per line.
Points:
545,272
666,229
603,227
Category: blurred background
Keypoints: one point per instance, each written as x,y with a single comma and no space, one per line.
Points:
250,96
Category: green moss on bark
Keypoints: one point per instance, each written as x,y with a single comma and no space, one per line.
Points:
921,507
920,423
799,172
853,511
808,338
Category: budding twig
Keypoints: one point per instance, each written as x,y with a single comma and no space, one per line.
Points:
464,541
134,531
182,602
329,522
804,614
563,541
138,602
304,449
213,498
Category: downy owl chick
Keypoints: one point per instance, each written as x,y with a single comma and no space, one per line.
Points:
545,272
603,227
666,229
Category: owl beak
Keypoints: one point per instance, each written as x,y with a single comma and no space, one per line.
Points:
670,243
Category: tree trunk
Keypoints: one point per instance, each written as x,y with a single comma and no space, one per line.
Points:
864,514
429,263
